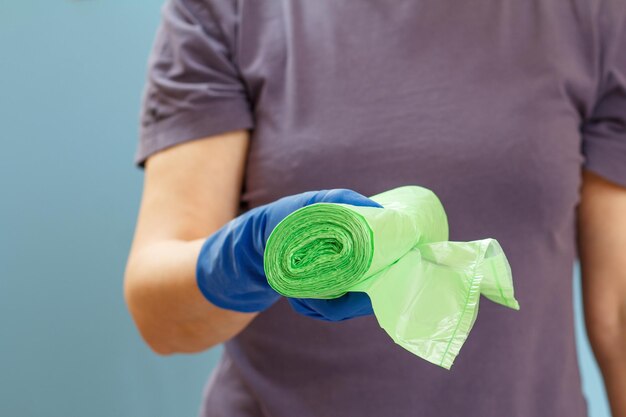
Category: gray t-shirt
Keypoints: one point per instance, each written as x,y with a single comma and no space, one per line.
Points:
493,104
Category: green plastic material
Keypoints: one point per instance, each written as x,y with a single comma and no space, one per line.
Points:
424,288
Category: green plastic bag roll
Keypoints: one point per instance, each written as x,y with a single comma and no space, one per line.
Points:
424,289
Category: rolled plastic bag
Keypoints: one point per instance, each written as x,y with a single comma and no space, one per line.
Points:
424,289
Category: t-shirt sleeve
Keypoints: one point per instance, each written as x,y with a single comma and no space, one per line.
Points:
193,87
604,133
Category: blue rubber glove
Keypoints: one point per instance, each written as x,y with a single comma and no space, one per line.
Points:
230,274
348,306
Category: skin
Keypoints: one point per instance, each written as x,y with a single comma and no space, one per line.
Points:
602,249
179,210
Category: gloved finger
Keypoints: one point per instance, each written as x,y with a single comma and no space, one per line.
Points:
301,306
343,195
350,305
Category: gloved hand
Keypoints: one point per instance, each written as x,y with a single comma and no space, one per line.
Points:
230,274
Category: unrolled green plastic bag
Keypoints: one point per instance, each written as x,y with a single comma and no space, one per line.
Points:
424,289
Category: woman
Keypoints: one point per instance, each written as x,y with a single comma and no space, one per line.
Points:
512,112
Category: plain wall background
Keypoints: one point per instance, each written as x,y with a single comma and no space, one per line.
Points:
71,76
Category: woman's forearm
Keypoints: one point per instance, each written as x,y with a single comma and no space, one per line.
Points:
606,328
168,308
612,363
602,239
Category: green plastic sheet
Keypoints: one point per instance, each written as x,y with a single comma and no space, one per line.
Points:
424,289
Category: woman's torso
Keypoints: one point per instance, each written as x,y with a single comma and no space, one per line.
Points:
481,102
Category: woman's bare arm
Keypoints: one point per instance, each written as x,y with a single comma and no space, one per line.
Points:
602,246
190,191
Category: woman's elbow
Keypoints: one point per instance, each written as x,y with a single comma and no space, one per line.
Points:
144,316
163,326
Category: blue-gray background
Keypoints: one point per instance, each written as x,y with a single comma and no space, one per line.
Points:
71,75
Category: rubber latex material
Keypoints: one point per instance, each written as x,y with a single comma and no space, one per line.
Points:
424,289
